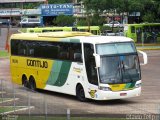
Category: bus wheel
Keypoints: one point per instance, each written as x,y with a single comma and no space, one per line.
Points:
80,93
24,81
32,84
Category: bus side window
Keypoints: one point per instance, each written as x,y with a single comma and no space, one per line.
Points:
90,64
63,52
31,31
132,29
77,56
14,47
75,52
22,48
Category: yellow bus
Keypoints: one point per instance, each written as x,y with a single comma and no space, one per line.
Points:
93,29
77,63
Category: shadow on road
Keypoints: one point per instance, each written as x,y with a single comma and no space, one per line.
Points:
73,98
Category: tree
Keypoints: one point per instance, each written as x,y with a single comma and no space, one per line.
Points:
63,20
149,17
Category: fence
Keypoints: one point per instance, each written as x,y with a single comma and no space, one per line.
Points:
17,101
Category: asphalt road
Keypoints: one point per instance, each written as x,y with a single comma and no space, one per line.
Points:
56,103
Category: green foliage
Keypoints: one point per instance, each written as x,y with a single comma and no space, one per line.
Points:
146,7
63,20
97,20
82,22
149,17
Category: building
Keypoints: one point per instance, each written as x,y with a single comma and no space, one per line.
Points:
12,11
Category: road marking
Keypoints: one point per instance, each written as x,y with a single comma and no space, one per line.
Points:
2,92
8,100
21,109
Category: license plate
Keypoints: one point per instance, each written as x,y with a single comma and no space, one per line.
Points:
123,94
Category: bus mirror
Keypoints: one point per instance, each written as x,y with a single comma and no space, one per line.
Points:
97,60
145,59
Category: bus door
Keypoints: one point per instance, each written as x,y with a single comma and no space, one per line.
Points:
91,70
139,34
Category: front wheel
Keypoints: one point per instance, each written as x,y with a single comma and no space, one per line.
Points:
80,93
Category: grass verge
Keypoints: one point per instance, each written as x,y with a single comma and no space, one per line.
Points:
3,53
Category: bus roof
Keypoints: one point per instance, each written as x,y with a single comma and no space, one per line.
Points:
73,37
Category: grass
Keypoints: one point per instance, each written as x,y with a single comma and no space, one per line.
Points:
23,30
4,109
3,53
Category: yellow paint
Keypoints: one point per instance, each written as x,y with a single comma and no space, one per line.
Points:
117,87
19,68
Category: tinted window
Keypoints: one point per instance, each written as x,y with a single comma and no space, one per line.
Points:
49,50
132,29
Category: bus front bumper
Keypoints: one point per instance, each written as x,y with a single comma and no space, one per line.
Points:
109,95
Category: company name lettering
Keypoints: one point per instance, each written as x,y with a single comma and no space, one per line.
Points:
55,6
37,63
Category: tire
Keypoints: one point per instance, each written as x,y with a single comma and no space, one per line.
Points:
25,82
32,84
80,93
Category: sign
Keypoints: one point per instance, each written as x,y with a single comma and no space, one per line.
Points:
10,12
31,12
56,9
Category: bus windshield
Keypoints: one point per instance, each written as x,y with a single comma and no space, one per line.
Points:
119,63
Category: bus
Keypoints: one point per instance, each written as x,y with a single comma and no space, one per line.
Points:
77,63
47,29
93,29
146,32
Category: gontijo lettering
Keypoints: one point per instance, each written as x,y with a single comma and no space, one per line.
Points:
37,63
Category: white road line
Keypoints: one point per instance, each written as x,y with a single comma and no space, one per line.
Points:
9,100
2,92
21,109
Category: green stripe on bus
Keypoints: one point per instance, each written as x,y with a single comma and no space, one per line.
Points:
127,85
59,73
130,85
56,67
63,74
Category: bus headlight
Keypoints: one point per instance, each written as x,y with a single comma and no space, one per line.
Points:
138,85
105,88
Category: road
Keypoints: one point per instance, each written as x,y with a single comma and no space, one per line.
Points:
56,103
